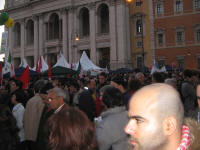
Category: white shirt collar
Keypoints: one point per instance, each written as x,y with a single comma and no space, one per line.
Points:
59,108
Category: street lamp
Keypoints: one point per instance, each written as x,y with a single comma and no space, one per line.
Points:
128,1
77,38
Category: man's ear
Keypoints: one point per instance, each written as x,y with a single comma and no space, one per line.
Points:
169,125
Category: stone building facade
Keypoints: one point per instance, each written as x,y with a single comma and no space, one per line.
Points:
45,27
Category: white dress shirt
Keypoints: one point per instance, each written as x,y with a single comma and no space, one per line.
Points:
18,113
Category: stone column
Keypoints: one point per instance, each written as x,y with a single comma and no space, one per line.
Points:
70,34
22,38
64,32
92,33
113,35
76,28
10,42
121,33
36,40
41,35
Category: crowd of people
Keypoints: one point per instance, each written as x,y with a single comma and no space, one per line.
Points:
106,112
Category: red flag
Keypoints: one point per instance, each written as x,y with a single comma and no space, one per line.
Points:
71,66
39,66
12,71
1,74
40,63
25,77
49,72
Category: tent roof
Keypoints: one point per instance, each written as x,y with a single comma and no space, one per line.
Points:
58,70
87,64
62,62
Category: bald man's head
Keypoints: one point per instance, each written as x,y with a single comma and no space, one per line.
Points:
155,118
162,99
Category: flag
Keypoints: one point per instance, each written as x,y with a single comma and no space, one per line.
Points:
79,68
25,77
23,63
40,63
39,66
155,64
1,74
71,66
49,72
9,57
12,71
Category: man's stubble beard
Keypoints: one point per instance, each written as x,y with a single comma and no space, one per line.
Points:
155,142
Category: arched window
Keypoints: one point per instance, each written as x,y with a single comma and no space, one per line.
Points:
84,22
54,27
30,32
103,18
17,35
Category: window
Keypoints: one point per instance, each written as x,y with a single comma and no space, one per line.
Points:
160,38
139,44
196,4
139,62
178,6
84,22
139,26
198,35
103,18
179,36
198,62
159,8
138,3
180,61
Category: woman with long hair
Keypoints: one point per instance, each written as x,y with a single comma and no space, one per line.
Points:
70,129
8,129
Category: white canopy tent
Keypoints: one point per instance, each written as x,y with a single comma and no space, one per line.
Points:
62,62
44,65
87,64
24,64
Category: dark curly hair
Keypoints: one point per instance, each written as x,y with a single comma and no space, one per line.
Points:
70,129
112,97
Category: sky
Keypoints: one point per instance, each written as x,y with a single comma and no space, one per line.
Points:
2,3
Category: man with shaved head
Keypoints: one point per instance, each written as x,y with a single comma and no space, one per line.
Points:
156,119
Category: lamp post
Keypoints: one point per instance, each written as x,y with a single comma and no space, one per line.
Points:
75,39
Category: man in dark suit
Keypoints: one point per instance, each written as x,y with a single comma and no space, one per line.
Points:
56,104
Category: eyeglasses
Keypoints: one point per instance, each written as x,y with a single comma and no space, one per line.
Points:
49,99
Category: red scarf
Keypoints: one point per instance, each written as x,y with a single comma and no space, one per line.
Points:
185,142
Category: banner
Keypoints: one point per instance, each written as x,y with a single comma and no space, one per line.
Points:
4,41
